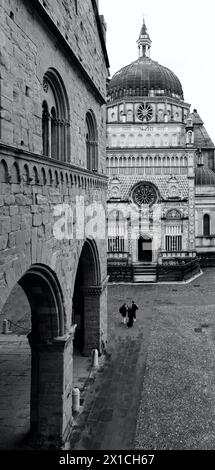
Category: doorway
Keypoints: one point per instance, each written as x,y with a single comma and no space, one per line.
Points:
145,249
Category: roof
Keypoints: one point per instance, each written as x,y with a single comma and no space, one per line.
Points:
201,138
143,76
204,176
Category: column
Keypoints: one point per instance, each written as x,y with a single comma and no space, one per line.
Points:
51,390
91,318
95,317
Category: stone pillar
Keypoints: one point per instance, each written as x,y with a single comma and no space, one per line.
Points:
49,136
91,318
51,390
95,317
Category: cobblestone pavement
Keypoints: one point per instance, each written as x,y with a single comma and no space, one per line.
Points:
157,389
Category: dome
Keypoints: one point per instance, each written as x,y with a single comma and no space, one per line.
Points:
204,176
144,77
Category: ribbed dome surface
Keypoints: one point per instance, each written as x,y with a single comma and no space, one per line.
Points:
204,176
144,77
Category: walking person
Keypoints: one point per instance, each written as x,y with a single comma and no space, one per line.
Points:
130,318
124,310
134,308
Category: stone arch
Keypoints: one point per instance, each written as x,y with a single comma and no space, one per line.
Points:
55,117
56,178
43,174
35,175
25,174
47,342
3,172
44,294
86,299
15,173
61,177
50,177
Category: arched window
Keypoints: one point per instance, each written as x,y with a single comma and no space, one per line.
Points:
54,152
206,225
55,117
116,231
91,142
45,129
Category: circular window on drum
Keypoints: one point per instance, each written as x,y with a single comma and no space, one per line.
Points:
144,112
145,193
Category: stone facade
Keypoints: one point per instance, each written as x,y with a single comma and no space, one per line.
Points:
41,243
154,144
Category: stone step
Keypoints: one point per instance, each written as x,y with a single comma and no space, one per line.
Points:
145,278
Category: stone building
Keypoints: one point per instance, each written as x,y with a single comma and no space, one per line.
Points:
155,151
54,68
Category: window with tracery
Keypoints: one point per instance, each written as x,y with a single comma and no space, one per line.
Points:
145,193
173,238
55,117
116,232
91,142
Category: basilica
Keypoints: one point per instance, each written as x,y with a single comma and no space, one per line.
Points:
160,164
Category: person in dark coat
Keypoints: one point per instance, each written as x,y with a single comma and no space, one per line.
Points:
134,308
132,314
124,310
130,318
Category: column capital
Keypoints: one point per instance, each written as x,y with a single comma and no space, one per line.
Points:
92,291
95,290
57,343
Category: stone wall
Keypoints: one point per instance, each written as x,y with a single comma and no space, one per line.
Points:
37,192
27,220
28,49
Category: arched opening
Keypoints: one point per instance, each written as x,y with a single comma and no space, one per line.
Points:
45,128
55,117
33,375
145,249
91,142
54,152
3,172
206,225
86,300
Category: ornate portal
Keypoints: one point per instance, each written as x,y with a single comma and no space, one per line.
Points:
145,193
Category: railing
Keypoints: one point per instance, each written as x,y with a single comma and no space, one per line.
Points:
31,168
117,255
205,241
177,254
139,170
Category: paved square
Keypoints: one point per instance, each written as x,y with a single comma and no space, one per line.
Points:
156,388
159,381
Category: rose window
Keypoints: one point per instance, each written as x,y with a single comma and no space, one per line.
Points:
144,193
144,112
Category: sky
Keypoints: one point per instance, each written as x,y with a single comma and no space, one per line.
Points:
183,39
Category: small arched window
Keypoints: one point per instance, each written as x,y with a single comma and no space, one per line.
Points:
55,117
91,142
45,129
206,225
54,152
